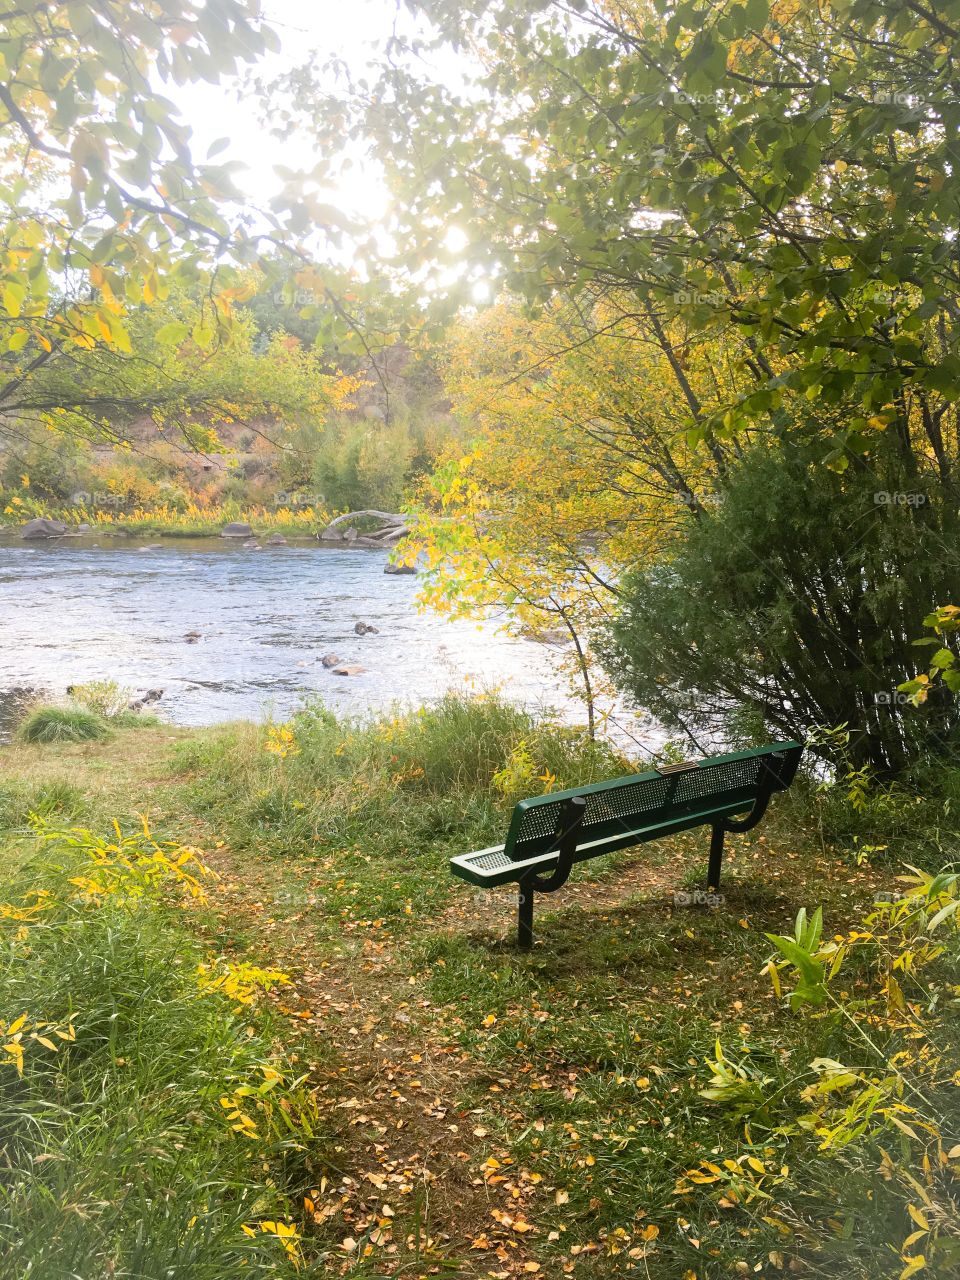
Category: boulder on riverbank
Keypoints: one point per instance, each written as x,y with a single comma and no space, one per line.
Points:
276,540
42,528
145,699
236,529
367,528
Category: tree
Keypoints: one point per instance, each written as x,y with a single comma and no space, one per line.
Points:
104,210
787,171
186,388
577,468
779,179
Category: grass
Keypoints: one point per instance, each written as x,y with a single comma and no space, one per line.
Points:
163,520
120,1157
484,1112
62,724
92,712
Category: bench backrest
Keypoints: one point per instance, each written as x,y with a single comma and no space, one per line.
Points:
618,808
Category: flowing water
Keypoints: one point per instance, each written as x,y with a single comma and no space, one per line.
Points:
73,611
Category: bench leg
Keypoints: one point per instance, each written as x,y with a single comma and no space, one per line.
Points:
525,916
716,858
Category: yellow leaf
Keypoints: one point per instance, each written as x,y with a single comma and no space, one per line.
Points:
918,1217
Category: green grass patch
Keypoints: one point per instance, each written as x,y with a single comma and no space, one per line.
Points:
62,724
121,1155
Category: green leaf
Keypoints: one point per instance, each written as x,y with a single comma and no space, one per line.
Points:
172,334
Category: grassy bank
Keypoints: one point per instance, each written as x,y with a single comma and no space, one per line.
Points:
632,1098
190,520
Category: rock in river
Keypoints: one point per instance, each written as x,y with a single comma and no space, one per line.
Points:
137,704
367,528
365,629
330,660
43,528
399,568
349,669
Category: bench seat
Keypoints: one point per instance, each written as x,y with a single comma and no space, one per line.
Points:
488,868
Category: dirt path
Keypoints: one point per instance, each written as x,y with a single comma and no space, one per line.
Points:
417,1177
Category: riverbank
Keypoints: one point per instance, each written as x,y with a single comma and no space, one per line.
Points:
464,1109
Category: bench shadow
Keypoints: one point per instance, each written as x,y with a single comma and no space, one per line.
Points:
639,930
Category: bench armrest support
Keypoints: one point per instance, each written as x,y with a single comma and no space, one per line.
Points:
753,817
571,820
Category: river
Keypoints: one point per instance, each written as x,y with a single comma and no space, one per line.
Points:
74,611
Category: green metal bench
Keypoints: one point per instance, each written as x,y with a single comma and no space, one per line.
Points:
549,834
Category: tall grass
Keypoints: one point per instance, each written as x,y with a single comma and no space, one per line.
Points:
62,724
415,783
120,1157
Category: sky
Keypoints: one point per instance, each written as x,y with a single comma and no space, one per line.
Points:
352,31
347,29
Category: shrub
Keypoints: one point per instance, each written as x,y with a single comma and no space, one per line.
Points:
104,698
62,724
795,602
856,1116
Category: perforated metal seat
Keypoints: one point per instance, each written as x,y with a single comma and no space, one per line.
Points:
548,834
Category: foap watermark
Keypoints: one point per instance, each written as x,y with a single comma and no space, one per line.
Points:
698,898
100,498
690,499
717,96
896,98
883,498
699,298
891,698
298,297
296,500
